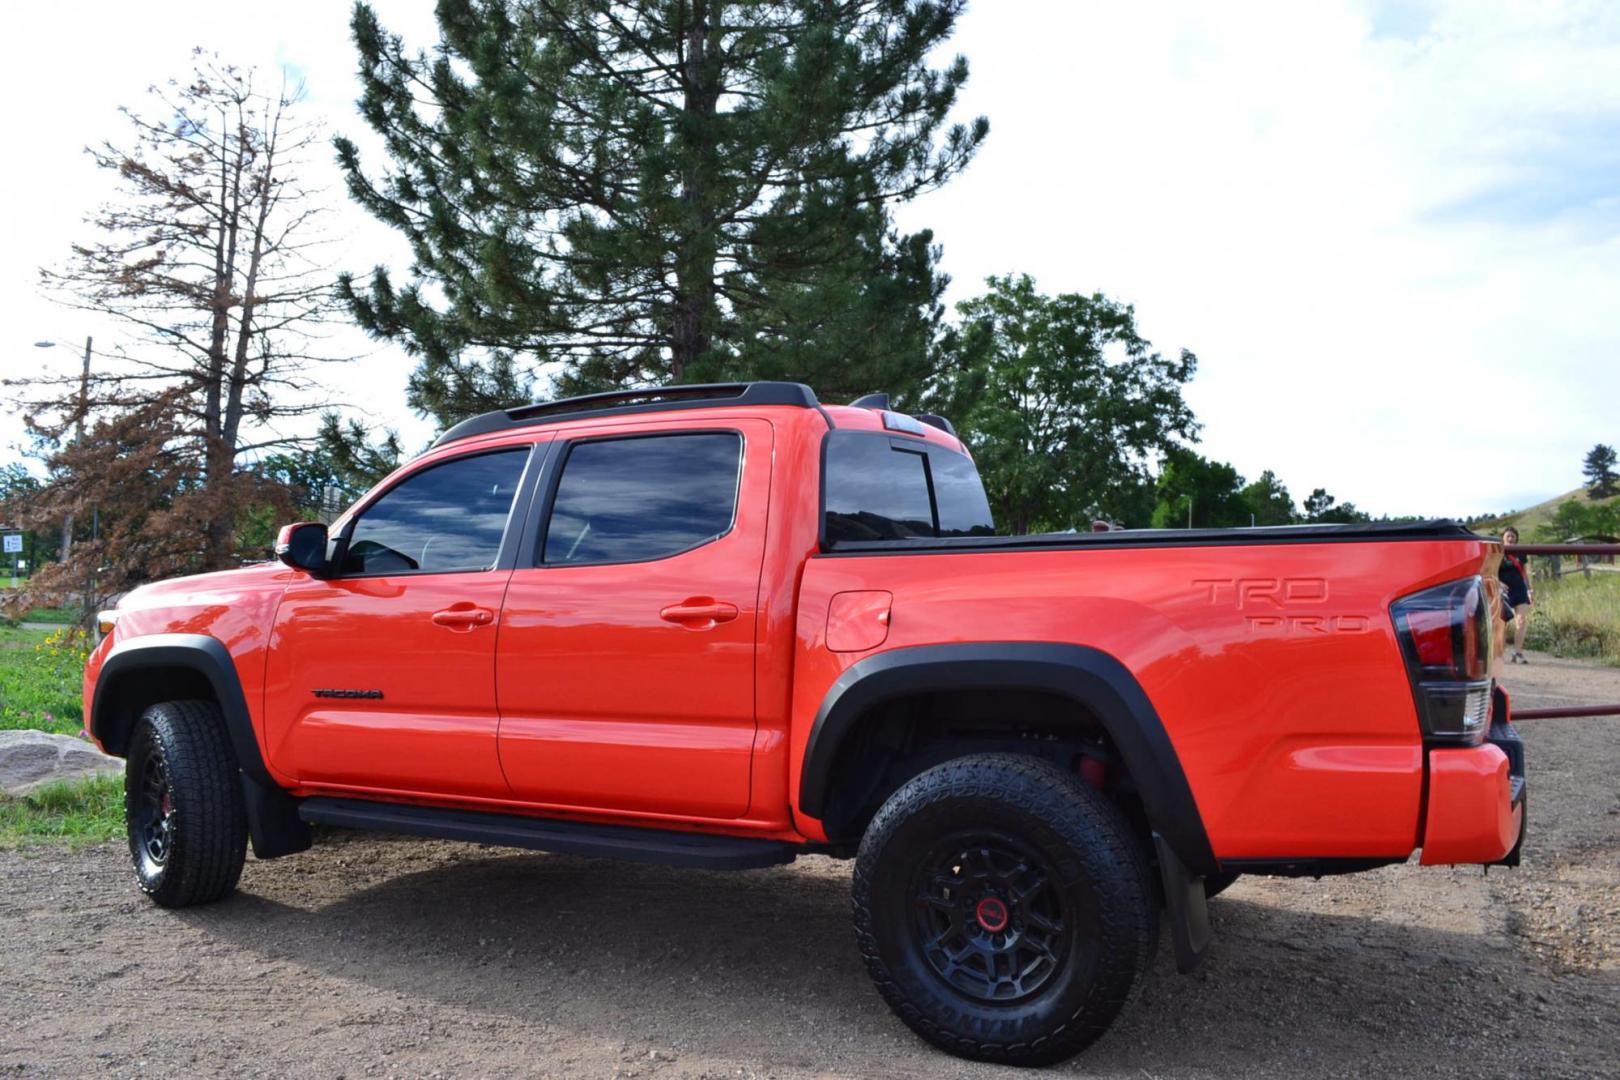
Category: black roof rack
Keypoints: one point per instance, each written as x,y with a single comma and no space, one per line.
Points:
645,399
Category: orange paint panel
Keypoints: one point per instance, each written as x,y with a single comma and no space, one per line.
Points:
432,729
1274,668
1470,819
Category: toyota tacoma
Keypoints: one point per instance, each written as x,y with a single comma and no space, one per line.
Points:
723,626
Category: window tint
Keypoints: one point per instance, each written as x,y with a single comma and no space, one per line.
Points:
445,518
964,510
882,488
629,500
875,492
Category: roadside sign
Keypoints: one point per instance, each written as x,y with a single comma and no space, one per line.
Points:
13,543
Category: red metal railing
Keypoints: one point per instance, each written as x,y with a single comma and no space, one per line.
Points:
1562,549
1565,711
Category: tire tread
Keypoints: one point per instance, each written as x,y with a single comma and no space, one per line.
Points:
209,845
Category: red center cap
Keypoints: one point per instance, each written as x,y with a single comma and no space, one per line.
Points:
992,914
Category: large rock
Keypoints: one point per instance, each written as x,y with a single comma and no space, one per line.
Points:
29,759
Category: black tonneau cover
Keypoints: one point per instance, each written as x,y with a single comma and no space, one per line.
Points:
1367,532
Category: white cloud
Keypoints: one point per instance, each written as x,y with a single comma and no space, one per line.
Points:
1391,231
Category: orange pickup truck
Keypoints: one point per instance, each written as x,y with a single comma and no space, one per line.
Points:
723,626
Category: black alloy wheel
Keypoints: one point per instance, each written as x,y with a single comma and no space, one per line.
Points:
152,817
992,923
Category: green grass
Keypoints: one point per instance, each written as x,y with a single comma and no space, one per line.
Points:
61,615
1577,616
79,812
41,675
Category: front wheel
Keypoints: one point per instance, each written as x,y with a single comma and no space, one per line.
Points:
183,805
1004,909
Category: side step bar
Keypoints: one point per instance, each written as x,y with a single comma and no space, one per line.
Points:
664,846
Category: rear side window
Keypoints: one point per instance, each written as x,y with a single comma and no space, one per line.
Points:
878,487
443,519
641,498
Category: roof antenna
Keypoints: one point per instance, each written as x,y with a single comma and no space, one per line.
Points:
870,401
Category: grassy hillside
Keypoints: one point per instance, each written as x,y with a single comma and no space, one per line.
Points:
1526,520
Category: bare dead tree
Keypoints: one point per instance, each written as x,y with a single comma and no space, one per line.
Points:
209,256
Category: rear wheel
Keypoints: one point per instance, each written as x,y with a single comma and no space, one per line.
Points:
1003,908
183,805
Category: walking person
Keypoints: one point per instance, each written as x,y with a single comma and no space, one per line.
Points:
1515,576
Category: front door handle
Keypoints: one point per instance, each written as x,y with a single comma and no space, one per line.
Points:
699,612
463,616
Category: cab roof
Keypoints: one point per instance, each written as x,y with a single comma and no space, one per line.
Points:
871,412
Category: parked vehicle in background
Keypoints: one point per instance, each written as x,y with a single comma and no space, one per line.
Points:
723,626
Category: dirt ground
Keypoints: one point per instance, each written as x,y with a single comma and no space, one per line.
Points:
371,956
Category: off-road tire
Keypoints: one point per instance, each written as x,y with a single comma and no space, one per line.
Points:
1098,882
1215,884
180,750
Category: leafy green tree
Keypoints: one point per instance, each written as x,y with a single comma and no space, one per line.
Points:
1268,501
677,190
1063,403
1194,492
1575,518
1598,468
1323,509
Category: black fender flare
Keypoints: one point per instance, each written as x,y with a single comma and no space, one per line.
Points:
200,653
273,820
1091,678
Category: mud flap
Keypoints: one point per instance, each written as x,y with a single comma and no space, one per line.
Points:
1185,906
273,822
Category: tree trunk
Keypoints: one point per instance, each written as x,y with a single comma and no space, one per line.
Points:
692,322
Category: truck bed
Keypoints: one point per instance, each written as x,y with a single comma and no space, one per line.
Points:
1366,532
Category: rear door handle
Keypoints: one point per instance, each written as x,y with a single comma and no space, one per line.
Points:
699,612
463,616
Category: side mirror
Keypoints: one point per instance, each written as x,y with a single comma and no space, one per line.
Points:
303,547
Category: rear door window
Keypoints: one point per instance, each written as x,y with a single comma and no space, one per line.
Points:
643,497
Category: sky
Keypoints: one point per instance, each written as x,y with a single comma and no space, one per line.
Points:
1390,231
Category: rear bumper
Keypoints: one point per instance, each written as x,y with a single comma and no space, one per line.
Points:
1476,804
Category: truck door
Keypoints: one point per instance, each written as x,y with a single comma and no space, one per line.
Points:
382,677
625,662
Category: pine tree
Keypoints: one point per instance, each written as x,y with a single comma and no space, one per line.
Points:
605,194
1599,470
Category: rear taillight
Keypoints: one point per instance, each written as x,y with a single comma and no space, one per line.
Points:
1445,635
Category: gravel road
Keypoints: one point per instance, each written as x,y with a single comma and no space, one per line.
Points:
371,956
